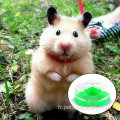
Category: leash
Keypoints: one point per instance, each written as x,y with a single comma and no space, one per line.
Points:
81,6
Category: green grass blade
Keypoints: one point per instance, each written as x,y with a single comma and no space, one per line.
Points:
113,48
6,86
11,77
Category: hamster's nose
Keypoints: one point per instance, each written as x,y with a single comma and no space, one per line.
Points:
65,46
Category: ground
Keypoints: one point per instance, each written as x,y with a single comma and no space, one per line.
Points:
21,24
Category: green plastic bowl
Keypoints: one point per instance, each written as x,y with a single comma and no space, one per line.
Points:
92,97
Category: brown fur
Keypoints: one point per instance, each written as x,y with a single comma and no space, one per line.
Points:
43,93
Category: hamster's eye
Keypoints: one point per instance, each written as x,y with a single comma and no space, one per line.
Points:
75,34
58,32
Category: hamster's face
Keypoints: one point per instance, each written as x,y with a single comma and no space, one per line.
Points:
65,37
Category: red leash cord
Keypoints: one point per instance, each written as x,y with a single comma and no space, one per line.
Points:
94,33
81,6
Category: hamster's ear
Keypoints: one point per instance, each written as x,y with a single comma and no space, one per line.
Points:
52,16
85,18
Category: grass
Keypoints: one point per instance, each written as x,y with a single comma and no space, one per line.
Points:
21,24
6,87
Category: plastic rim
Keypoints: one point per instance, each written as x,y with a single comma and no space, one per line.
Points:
92,97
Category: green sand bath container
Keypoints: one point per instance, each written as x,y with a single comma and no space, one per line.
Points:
92,96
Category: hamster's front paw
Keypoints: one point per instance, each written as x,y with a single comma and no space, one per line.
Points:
39,117
72,77
54,76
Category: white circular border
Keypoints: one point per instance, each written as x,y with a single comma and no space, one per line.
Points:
98,78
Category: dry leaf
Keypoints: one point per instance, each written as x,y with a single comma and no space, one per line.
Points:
110,116
7,68
24,85
22,79
20,21
116,106
14,68
34,15
86,117
3,42
17,87
44,3
1,109
17,14
101,3
29,52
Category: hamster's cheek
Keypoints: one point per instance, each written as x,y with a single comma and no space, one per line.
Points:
48,44
74,50
82,47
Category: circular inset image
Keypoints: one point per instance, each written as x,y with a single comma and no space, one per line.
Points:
92,94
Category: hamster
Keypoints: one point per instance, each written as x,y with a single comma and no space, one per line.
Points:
64,55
